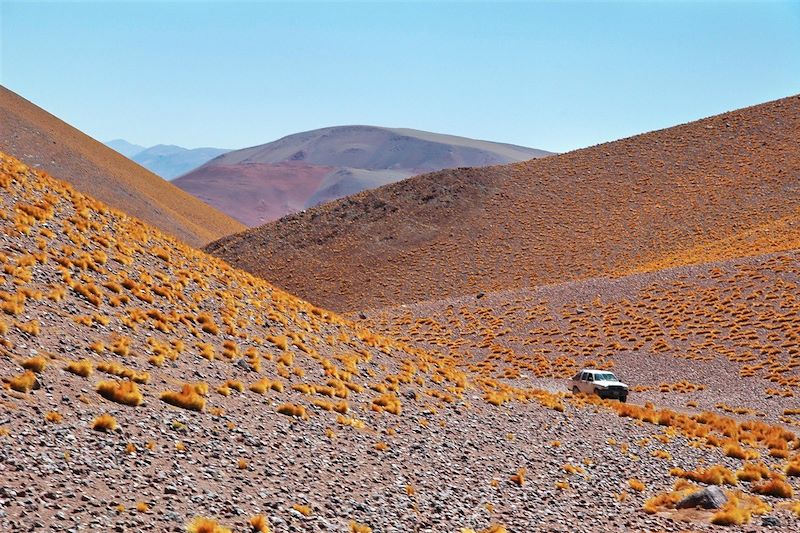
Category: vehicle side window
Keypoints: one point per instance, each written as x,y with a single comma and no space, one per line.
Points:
583,376
589,377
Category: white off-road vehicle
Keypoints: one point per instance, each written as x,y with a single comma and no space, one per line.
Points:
601,382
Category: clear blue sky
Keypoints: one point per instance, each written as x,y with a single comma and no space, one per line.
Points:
556,76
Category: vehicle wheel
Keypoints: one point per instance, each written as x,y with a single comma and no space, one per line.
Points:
623,399
575,390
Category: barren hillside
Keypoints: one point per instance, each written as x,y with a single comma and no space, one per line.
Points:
712,189
263,183
47,143
149,386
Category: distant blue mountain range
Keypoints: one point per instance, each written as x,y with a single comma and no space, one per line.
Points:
166,160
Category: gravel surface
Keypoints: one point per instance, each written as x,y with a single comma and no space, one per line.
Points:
420,448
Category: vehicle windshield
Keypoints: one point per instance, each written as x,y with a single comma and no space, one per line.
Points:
605,376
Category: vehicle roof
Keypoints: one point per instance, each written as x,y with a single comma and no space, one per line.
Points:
596,370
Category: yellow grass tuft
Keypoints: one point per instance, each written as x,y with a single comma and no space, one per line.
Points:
519,477
81,368
190,397
35,364
54,417
124,392
25,382
356,527
258,524
774,487
201,524
290,409
104,422
636,485
304,510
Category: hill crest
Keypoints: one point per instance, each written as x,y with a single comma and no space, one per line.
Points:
265,182
46,142
603,210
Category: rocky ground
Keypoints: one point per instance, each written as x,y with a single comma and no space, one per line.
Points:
452,472
301,415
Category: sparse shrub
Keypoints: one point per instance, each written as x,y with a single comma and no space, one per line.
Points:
54,417
793,467
774,487
104,422
735,451
290,409
356,527
636,485
258,524
25,382
188,398
201,524
519,478
714,475
753,472
124,392
31,328
81,368
35,364
304,510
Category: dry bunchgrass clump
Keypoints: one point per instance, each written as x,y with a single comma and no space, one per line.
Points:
201,524
636,485
35,364
264,384
290,409
519,477
258,524
116,369
54,417
190,397
81,368
667,500
124,392
793,467
304,510
739,509
774,487
356,527
25,382
714,475
104,422
753,472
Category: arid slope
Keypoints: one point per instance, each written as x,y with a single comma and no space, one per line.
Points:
711,189
45,142
145,384
263,183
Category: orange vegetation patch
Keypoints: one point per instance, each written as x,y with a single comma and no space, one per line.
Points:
105,422
190,397
25,382
201,524
124,392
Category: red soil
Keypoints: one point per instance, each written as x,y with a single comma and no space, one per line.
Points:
254,193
